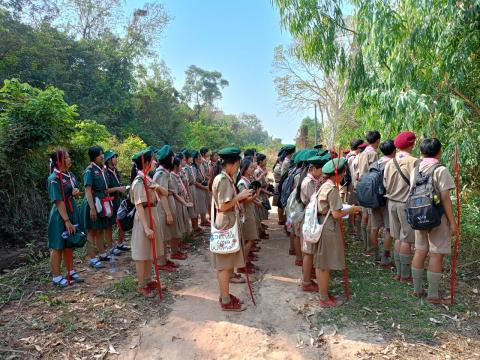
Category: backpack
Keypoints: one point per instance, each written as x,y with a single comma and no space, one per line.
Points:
347,178
126,214
423,208
287,186
312,229
294,210
370,189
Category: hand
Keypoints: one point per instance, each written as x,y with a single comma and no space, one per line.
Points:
245,194
454,230
150,233
189,205
93,214
70,228
169,219
122,189
75,192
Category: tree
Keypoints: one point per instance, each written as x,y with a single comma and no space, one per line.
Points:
202,87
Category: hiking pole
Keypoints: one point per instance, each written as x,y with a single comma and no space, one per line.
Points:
342,230
61,165
457,240
154,244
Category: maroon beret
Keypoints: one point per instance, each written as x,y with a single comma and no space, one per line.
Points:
404,140
363,146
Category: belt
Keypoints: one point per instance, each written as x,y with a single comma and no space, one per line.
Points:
146,205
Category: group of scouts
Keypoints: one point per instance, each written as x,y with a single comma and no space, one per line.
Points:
176,194
172,195
334,181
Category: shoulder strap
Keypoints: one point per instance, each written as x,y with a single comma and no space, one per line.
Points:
404,177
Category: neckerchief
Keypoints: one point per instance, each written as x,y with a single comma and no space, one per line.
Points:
369,148
103,174
60,176
177,176
429,161
114,173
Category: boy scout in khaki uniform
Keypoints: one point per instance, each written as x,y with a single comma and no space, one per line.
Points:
352,159
365,160
397,185
435,242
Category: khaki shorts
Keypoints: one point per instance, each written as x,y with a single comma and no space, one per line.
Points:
400,229
380,218
436,240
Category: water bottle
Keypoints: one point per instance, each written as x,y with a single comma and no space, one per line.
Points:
112,264
65,234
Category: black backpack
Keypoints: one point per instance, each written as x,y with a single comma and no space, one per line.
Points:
370,189
287,186
126,215
424,208
347,178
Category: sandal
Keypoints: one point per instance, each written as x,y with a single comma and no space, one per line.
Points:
233,299
178,256
172,264
123,247
310,287
104,257
438,301
299,262
166,268
75,277
232,306
115,251
331,302
146,291
96,264
62,282
237,279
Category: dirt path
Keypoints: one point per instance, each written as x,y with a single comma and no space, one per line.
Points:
279,327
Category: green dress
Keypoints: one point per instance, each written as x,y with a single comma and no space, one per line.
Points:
113,179
94,176
56,226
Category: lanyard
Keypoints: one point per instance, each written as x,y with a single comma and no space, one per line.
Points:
246,180
184,190
59,174
103,174
114,173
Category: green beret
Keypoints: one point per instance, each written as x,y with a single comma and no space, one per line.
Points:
323,153
318,160
152,149
108,155
146,152
289,149
163,152
296,156
186,153
329,167
230,151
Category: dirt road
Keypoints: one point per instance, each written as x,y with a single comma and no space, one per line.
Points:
279,327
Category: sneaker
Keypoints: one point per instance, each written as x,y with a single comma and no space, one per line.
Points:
75,277
233,299
123,247
96,263
331,302
299,262
105,257
232,306
179,256
166,268
115,251
310,287
172,264
237,279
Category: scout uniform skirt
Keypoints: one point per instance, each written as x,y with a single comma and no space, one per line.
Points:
192,211
328,252
141,244
201,201
100,224
173,231
56,226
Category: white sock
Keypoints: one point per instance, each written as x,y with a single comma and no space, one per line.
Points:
72,272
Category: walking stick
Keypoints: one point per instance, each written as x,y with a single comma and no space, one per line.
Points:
457,240
61,163
342,230
154,244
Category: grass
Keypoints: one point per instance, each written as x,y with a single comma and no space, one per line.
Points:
377,299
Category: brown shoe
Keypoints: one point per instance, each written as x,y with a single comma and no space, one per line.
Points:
310,287
146,291
232,306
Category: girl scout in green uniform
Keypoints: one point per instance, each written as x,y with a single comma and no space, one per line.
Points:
92,214
142,233
328,253
115,189
64,215
226,202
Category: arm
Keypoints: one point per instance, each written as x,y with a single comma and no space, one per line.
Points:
447,205
229,205
141,214
62,210
89,195
338,214
166,207
116,189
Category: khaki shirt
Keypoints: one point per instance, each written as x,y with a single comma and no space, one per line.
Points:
285,166
223,191
308,188
352,163
328,198
139,196
365,160
397,189
442,180
277,172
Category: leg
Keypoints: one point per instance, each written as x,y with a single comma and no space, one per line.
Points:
224,284
396,256
374,242
405,261
387,245
55,261
140,267
109,236
297,247
323,278
91,238
307,268
121,235
147,275
99,241
434,275
418,264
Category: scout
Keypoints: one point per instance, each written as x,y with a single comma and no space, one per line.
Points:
192,211
277,174
115,189
250,231
64,216
95,207
352,161
328,253
435,242
226,202
260,174
380,215
181,199
201,188
396,179
289,150
307,187
142,233
365,160
204,153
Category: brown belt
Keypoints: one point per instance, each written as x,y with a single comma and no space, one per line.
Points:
146,205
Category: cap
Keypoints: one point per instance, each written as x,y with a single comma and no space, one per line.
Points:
108,155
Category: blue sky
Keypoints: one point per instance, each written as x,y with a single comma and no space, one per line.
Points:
236,38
